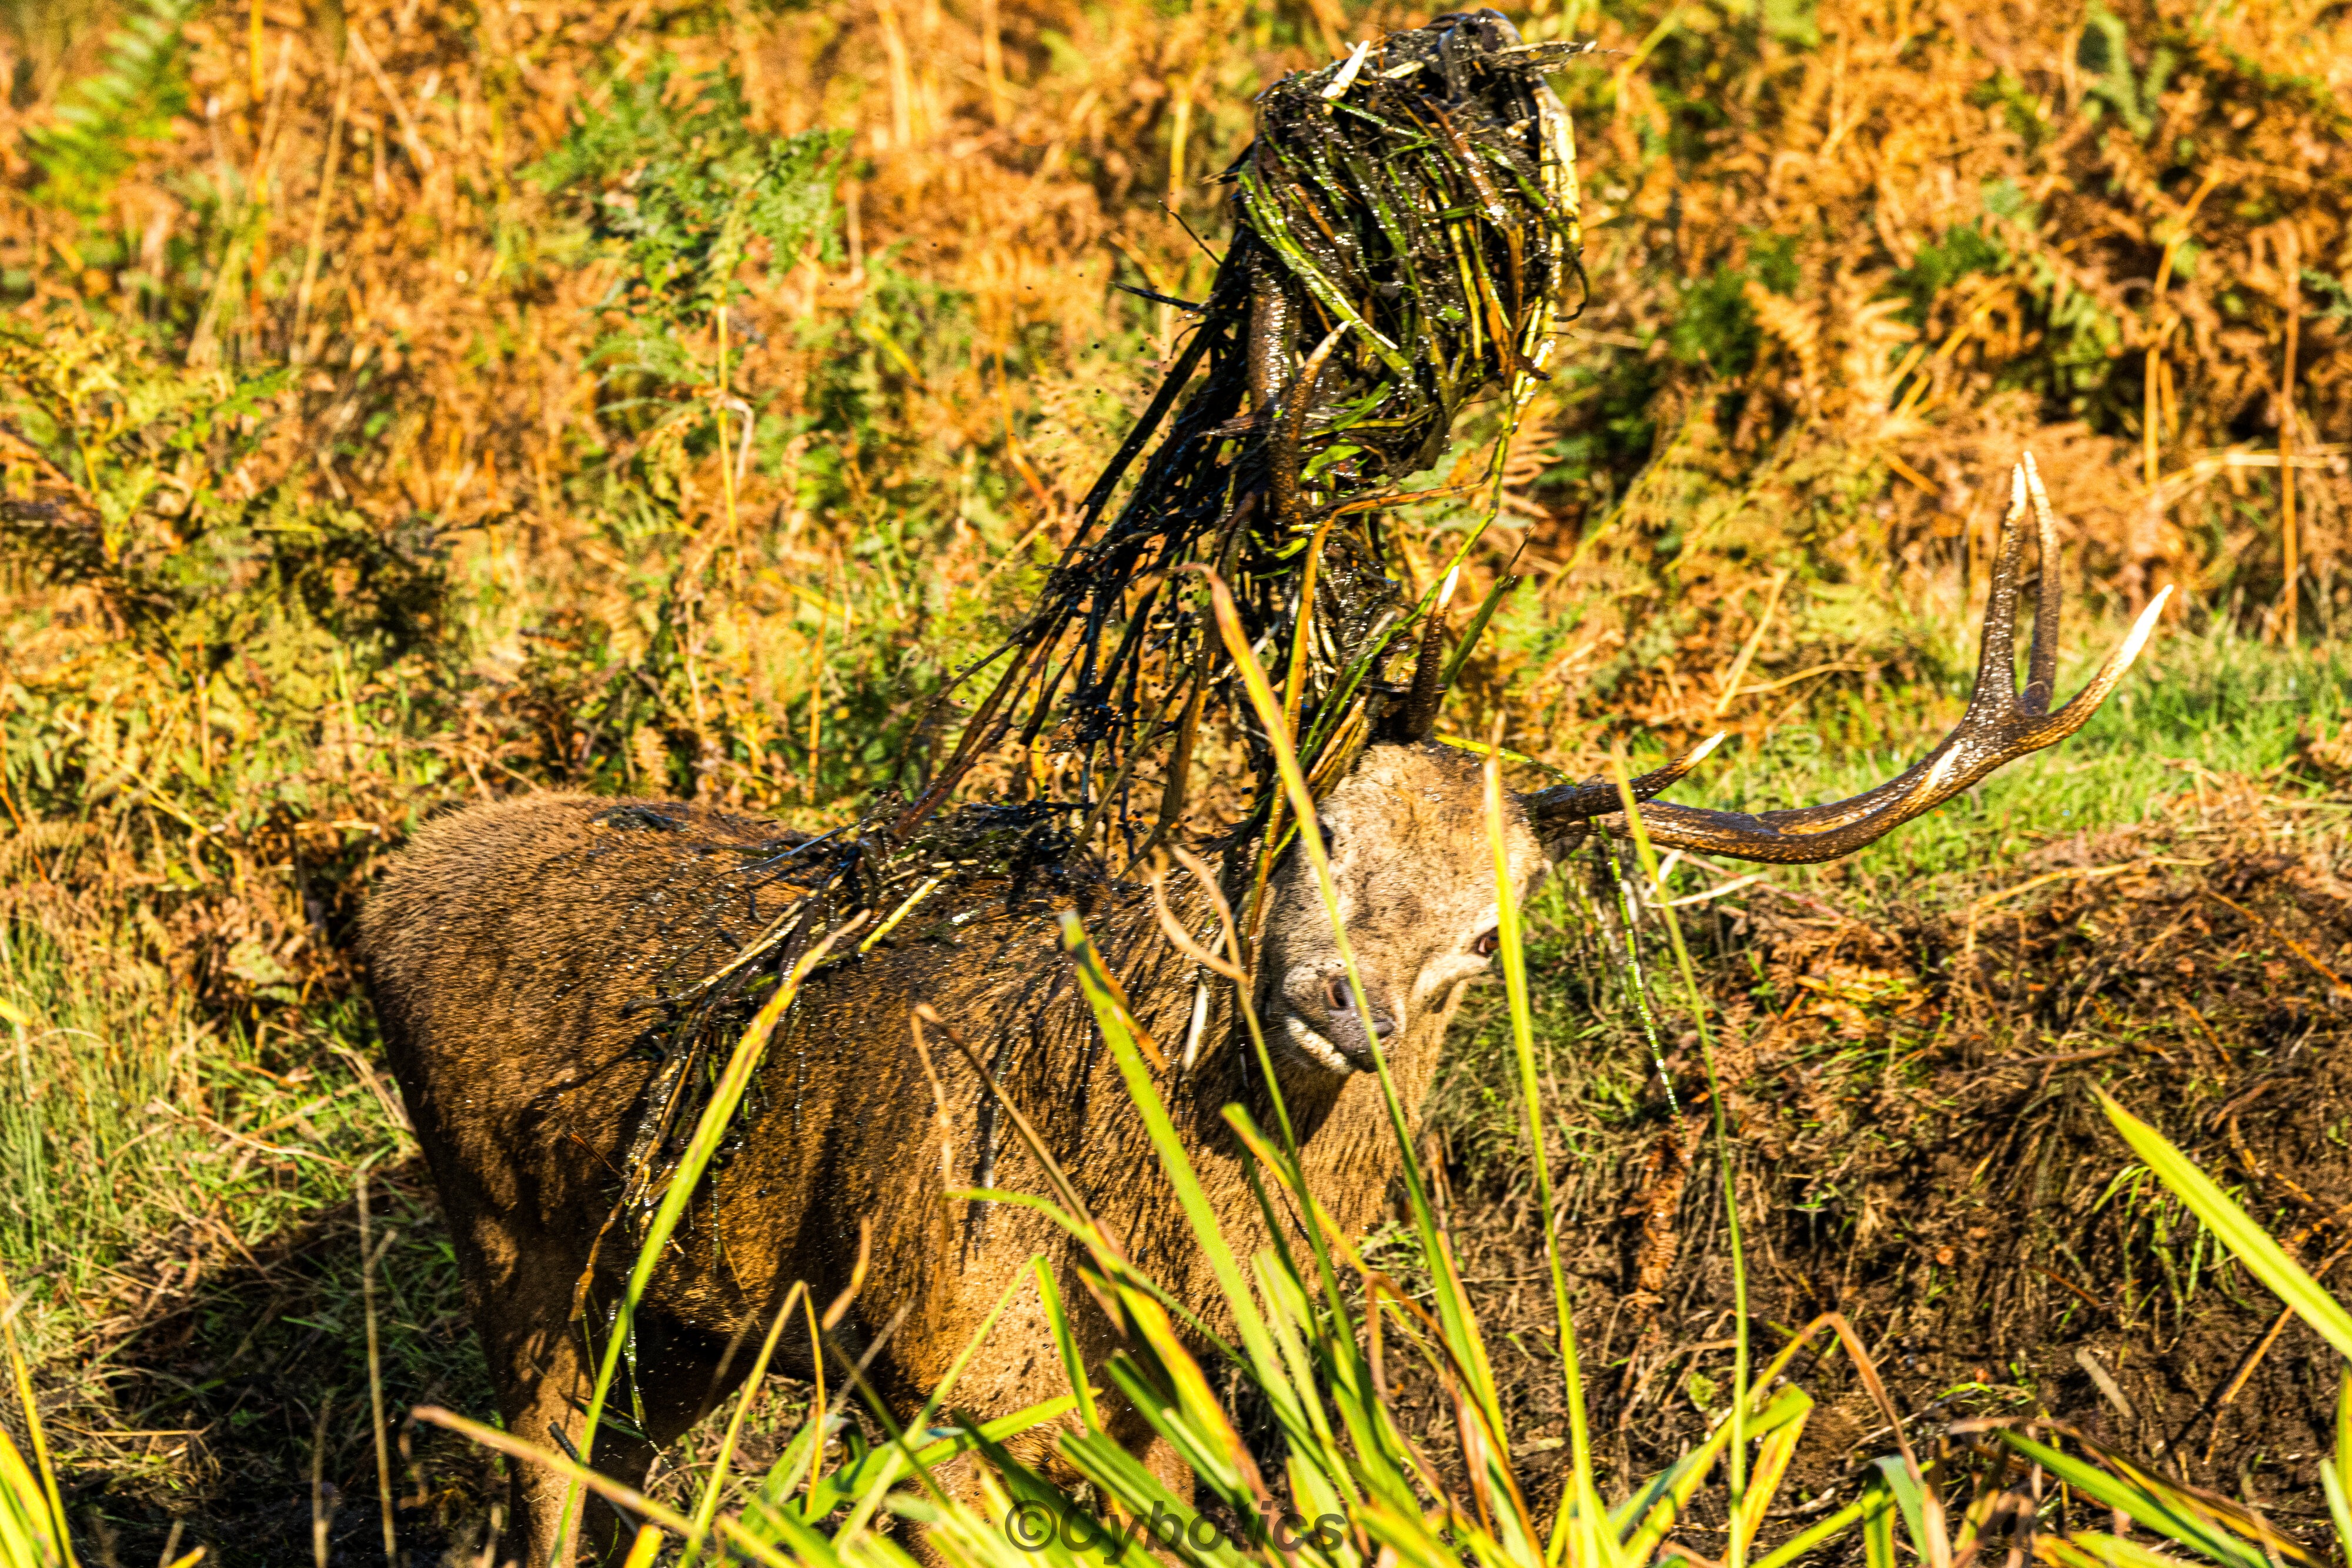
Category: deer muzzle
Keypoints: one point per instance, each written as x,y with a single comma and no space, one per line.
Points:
1323,1024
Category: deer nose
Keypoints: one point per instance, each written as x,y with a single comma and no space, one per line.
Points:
1342,1003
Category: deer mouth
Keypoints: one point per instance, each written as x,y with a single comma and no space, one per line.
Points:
1309,1042
1320,1018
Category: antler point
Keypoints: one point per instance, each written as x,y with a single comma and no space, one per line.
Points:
2142,629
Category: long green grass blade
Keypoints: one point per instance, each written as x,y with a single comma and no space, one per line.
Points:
1348,1382
1773,1455
1737,1469
2333,1476
2253,1246
27,1531
1287,1308
1581,1522
884,1466
902,1456
2097,1549
1878,1524
1910,1499
1065,1343
2339,1507
2344,1422
1110,1018
709,1130
1460,1327
1645,1518
1025,1512
1477,627
580,1475
52,1509
1124,1477
2171,1516
706,1507
783,1477
1794,1548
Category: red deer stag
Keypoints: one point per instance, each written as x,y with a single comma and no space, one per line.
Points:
517,951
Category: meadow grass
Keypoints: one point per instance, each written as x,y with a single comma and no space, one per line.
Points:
136,1125
2219,702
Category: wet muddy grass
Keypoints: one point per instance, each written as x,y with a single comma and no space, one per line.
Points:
1914,1141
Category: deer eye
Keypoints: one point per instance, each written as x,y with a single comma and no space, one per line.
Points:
1331,838
1486,942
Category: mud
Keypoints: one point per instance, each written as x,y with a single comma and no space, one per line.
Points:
1918,1146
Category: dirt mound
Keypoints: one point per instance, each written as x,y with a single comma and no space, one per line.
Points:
1916,1147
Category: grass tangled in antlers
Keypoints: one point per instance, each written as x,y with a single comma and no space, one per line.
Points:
1405,227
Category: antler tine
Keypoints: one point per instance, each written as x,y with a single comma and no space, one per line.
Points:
1999,726
2068,720
1996,686
1427,691
1597,796
2041,667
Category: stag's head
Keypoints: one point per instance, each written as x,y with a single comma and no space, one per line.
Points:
1413,869
1412,875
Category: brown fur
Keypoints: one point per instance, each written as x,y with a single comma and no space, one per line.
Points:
513,950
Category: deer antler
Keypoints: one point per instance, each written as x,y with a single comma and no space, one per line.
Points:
2001,724
1419,720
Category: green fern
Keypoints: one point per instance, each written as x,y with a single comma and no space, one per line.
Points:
127,498
102,119
680,192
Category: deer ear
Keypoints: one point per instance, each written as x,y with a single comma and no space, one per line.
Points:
1556,837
